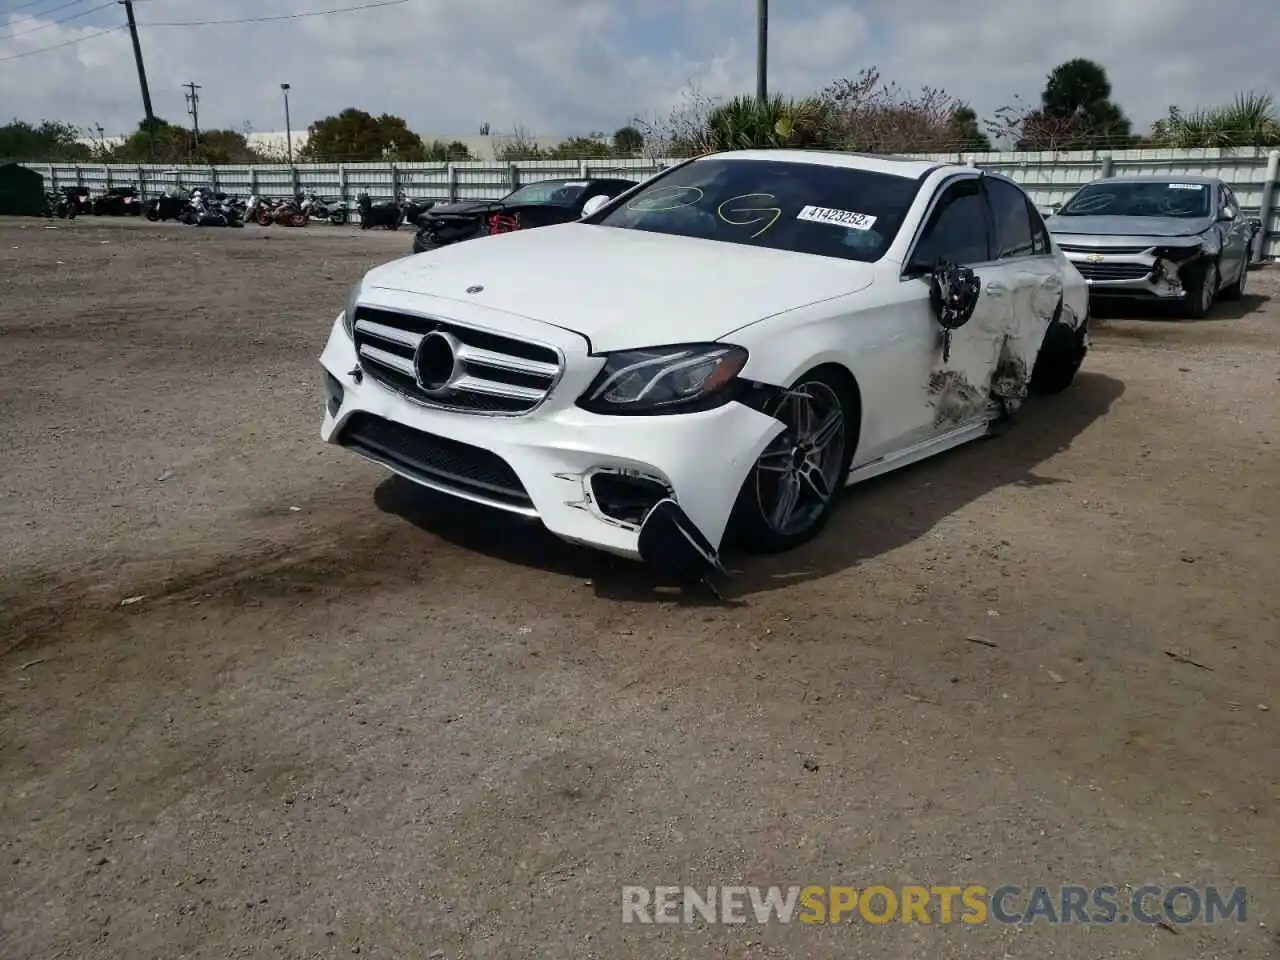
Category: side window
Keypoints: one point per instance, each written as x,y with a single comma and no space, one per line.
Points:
1040,245
1012,219
957,228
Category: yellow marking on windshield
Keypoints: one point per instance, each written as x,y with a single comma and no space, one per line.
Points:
775,213
666,198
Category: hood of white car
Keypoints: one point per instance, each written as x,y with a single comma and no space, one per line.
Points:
624,288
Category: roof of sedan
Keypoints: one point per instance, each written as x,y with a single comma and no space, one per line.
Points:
876,163
1165,178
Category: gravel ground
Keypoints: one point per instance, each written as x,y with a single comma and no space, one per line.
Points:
347,718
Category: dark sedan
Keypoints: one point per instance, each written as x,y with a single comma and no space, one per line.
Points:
533,205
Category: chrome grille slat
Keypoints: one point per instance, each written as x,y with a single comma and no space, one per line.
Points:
401,364
383,332
501,375
494,389
474,356
1105,251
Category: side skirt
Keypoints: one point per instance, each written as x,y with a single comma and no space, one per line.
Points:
920,451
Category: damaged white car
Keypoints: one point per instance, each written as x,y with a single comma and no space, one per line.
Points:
1181,239
722,348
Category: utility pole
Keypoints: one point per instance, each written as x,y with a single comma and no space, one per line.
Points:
762,51
142,71
288,125
193,108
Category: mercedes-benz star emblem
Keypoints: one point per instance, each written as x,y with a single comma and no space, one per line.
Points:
435,362
475,289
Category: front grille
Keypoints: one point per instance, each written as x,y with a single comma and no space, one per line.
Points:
1113,271
438,462
501,376
1076,248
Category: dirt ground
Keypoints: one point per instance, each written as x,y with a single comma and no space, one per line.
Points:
346,718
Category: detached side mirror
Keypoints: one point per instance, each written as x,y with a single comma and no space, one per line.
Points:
1226,216
592,205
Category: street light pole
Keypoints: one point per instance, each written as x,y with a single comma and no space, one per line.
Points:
762,51
288,127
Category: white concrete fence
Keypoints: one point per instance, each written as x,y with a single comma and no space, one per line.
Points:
1050,177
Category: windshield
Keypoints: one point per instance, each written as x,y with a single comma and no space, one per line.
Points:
559,192
810,208
1152,199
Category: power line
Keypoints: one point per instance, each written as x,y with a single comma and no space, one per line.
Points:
58,46
23,6
283,16
54,23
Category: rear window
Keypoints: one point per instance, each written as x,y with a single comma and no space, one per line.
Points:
560,192
782,205
1157,198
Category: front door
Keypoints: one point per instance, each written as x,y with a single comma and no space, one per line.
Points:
953,390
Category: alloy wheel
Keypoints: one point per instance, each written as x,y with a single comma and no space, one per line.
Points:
797,474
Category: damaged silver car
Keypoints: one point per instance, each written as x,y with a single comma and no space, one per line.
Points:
1174,238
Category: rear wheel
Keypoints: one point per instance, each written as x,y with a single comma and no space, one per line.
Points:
791,490
1061,353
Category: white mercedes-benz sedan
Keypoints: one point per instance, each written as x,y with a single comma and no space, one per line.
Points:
721,348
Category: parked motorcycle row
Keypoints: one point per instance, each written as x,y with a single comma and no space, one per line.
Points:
71,201
206,207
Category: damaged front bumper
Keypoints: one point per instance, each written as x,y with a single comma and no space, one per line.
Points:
1136,267
658,489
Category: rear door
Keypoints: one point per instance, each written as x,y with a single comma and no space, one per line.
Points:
1034,280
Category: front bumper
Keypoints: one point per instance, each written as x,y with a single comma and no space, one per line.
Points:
590,479
1143,275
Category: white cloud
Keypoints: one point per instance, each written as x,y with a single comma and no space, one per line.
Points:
561,67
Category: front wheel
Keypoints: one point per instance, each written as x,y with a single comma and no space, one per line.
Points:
791,490
1236,290
1202,291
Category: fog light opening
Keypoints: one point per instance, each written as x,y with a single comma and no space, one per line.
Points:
625,496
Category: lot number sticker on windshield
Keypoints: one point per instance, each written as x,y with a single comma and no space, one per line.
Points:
1186,186
839,218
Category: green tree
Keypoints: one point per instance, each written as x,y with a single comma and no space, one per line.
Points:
594,146
1250,121
157,141
628,141
964,130
357,135
1075,113
49,140
440,152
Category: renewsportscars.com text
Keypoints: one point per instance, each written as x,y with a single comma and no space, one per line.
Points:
942,904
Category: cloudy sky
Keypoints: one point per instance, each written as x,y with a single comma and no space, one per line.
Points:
563,67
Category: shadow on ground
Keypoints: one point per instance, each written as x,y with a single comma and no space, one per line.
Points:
874,517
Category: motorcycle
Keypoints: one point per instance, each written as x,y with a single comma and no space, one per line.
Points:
389,213
59,205
317,208
168,206
289,213
413,209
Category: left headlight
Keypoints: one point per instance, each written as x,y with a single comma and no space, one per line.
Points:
349,314
658,380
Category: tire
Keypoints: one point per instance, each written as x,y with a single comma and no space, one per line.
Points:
832,411
1236,290
338,218
1203,291
153,214
1061,353
298,220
